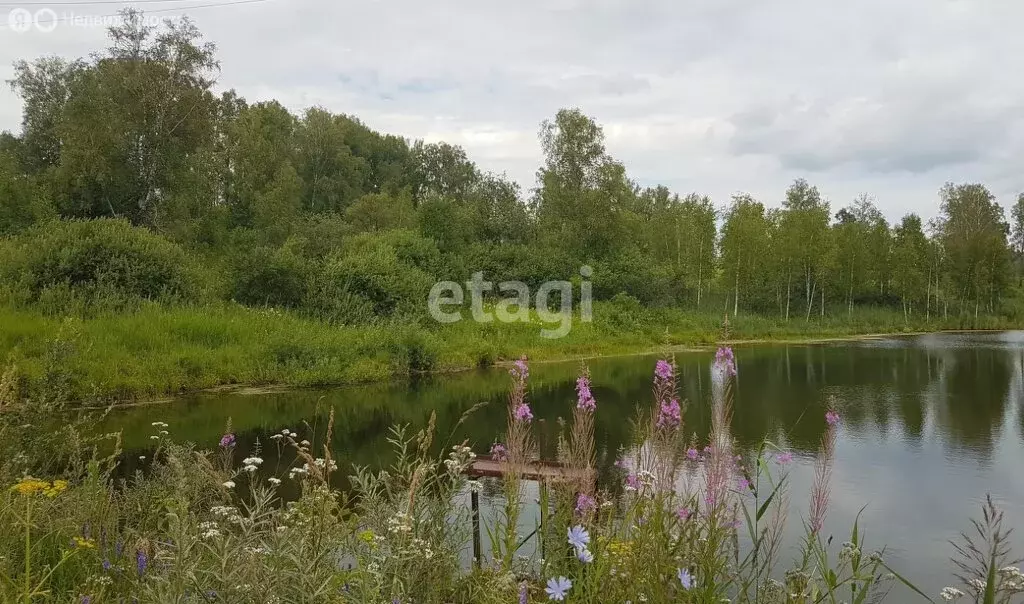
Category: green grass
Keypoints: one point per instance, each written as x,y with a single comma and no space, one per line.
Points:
158,350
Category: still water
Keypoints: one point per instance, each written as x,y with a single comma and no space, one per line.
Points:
930,424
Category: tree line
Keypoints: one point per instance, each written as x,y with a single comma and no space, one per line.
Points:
320,212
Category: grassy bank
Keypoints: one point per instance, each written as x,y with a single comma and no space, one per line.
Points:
156,350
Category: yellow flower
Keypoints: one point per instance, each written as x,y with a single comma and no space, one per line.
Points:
58,487
29,486
84,543
366,536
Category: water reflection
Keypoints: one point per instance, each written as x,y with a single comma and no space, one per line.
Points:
929,423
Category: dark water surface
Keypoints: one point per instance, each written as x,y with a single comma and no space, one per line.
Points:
929,425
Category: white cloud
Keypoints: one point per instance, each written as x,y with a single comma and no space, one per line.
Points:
716,96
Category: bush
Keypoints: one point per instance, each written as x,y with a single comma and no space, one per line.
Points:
96,259
382,274
266,276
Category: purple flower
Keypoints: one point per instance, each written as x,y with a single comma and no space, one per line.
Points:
831,417
784,458
522,593
557,588
692,454
685,578
683,513
632,482
141,562
520,370
522,413
578,537
585,503
499,452
724,361
620,463
106,564
742,484
86,599
584,555
228,440
662,370
584,398
670,415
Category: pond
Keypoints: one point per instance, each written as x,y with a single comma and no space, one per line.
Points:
930,424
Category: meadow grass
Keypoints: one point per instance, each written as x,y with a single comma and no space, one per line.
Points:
157,350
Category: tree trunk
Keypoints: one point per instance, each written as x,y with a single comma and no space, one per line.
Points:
810,301
700,267
789,282
822,302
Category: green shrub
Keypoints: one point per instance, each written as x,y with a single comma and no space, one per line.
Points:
92,260
266,276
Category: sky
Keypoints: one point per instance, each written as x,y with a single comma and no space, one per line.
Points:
887,97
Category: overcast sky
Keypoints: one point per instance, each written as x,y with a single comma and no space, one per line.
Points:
887,97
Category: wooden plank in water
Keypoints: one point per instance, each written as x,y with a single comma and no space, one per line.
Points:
485,465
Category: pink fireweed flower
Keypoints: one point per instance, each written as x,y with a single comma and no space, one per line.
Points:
662,370
670,415
692,454
499,452
228,440
784,458
585,503
523,413
520,370
831,417
584,398
632,482
725,361
683,513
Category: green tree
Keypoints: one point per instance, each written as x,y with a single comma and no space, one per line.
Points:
974,237
744,239
910,262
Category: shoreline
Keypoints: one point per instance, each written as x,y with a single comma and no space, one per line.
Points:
271,388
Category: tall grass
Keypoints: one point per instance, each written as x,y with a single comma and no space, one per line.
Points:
157,350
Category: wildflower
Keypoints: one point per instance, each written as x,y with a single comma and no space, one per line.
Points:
499,452
578,537
141,562
585,503
951,593
83,543
228,440
584,555
142,458
557,588
474,485
106,564
520,370
158,425
211,533
831,417
229,484
632,483
274,481
154,437
683,513
252,461
662,370
522,413
692,454
685,578
584,398
784,458
670,415
742,484
86,600
523,596
724,361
